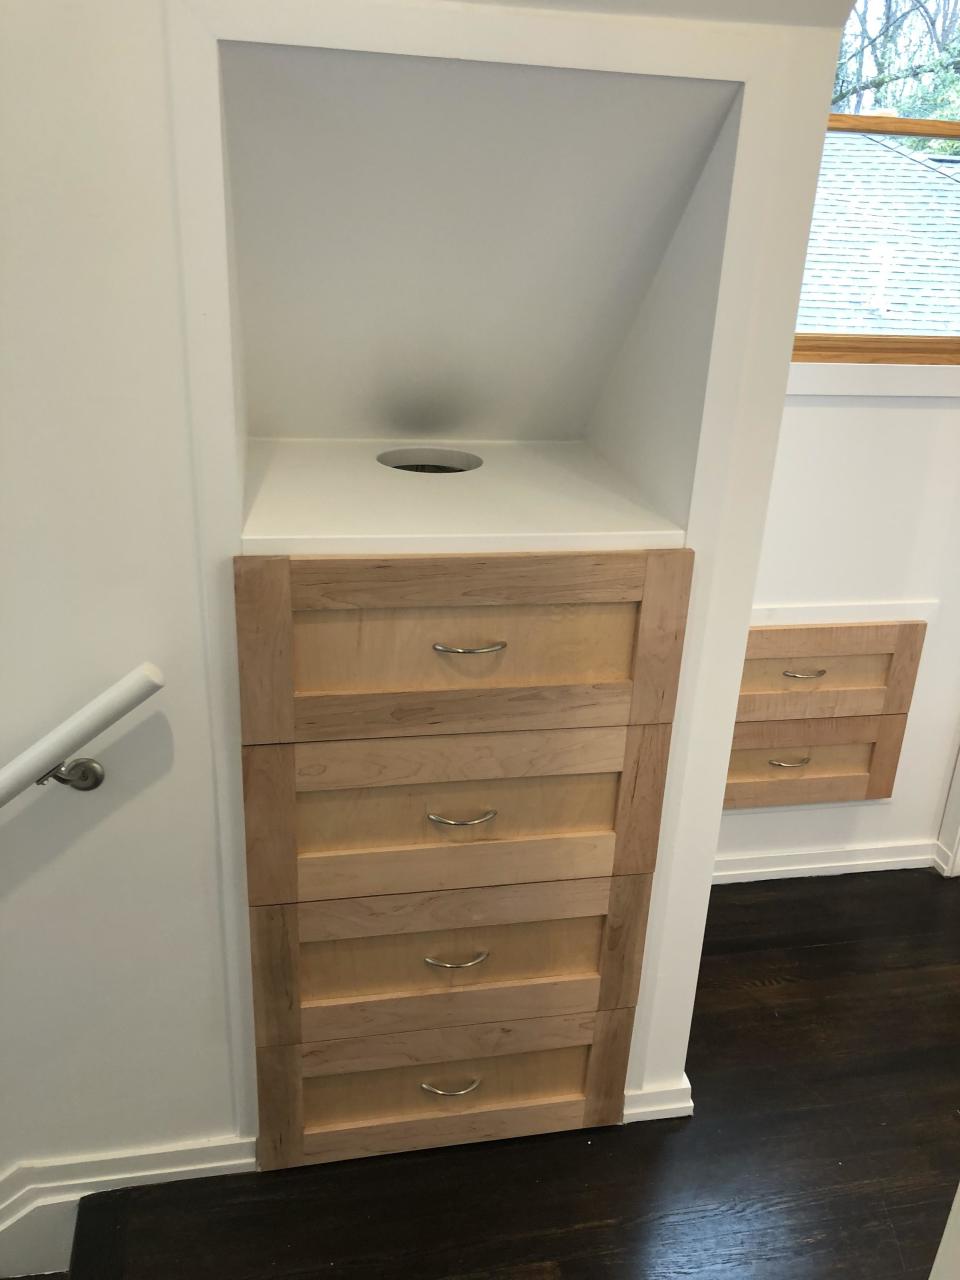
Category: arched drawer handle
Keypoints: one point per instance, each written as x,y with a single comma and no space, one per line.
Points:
453,964
441,821
805,675
497,647
450,1093
790,764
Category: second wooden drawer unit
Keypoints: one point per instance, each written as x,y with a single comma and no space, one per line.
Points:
848,669
782,762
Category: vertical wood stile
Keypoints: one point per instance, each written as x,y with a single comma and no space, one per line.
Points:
264,648
270,811
640,798
660,629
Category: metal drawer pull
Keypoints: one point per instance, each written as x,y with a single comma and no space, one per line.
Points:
497,647
441,821
450,1093
790,764
805,675
452,964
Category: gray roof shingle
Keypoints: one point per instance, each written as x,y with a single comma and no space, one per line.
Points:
884,251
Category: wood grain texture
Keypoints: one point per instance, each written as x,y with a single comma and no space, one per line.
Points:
380,1015
275,950
264,648
371,1097
659,643
824,762
886,757
803,702
319,717
385,650
792,791
270,820
392,963
280,1099
855,348
640,798
446,1044
840,639
385,817
904,666
894,125
572,577
453,909
624,933
607,1067
754,735
446,1131
379,762
363,872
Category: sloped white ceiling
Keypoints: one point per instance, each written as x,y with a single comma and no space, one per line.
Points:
431,246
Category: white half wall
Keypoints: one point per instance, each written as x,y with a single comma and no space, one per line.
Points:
123,993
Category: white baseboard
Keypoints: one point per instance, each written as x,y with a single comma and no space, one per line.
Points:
38,1199
658,1104
774,864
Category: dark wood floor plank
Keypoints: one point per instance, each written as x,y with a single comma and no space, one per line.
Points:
825,1061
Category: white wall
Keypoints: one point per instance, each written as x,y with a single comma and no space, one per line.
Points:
864,523
437,246
117,1031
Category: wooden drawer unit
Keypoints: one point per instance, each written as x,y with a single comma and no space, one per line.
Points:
406,962
359,1097
349,819
356,648
779,762
453,773
822,713
849,669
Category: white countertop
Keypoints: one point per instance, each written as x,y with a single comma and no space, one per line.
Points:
310,497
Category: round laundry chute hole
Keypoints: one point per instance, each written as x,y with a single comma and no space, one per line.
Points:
430,460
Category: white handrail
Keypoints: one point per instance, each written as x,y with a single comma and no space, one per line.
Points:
52,750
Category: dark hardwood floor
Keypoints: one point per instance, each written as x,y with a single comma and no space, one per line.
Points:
825,1063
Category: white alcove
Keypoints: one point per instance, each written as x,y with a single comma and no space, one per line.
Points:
517,262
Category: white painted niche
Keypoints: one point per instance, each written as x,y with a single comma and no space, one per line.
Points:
517,262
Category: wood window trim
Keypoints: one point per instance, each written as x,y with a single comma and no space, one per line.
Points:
868,348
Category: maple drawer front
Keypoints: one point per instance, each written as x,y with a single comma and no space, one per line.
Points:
426,650
329,1100
380,816
354,648
819,761
849,669
364,966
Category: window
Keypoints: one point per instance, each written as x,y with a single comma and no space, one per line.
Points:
882,279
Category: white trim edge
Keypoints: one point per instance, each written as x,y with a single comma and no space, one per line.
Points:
945,860
904,381
38,1198
775,864
661,1103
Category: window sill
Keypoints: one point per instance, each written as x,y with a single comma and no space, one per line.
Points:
908,381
